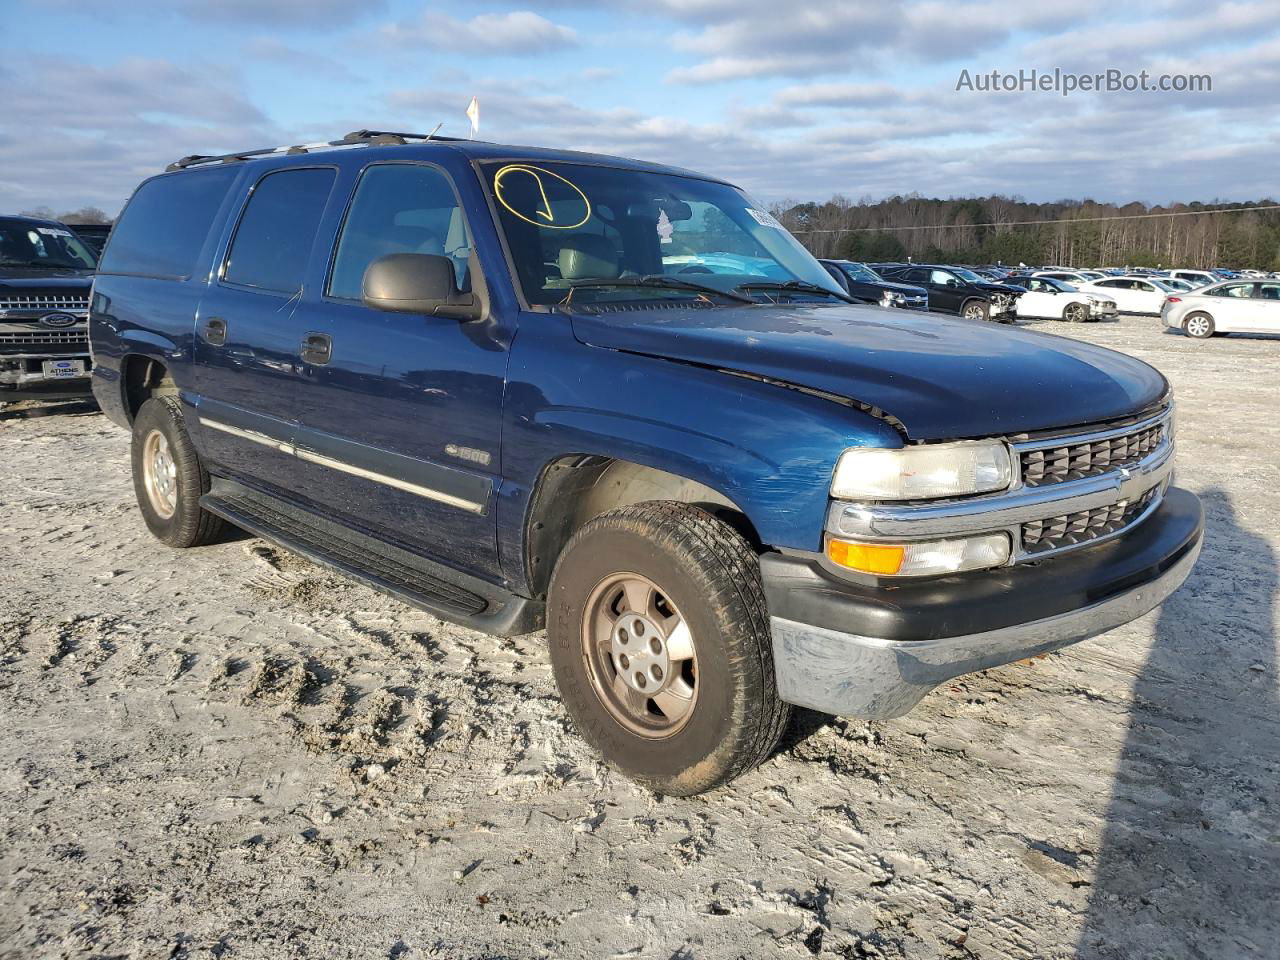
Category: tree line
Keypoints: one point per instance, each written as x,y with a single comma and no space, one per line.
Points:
994,230
84,215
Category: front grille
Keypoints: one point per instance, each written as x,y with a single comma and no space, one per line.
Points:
1079,460
1041,536
44,338
45,301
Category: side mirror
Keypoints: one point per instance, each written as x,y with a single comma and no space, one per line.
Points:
417,283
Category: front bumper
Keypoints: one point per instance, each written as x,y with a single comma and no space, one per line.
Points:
22,377
875,650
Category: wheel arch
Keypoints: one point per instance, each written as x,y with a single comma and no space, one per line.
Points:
141,378
573,489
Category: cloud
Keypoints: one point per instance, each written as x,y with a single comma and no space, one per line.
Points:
103,129
756,38
313,15
515,33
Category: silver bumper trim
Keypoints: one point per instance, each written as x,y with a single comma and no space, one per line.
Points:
855,676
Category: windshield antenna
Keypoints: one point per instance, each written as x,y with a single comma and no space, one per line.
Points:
434,130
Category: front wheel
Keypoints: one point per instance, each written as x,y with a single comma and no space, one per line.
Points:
660,644
1075,313
976,310
168,477
1198,325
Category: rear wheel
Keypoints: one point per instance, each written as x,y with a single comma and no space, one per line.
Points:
1198,325
1075,313
168,477
661,647
976,310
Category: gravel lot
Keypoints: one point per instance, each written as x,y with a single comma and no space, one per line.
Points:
229,752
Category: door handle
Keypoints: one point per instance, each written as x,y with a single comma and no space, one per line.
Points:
215,331
317,348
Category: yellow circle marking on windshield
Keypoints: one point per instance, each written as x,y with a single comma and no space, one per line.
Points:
543,215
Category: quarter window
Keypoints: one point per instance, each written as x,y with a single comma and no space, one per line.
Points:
1268,291
399,208
276,232
164,227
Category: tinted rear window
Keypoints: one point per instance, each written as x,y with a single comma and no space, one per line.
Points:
164,226
274,238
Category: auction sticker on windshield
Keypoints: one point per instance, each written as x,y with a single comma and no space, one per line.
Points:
763,218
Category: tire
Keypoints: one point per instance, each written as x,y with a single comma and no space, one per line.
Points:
1075,313
703,575
1198,325
976,310
168,477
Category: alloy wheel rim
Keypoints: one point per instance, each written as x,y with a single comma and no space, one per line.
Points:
640,655
1198,326
160,474
973,313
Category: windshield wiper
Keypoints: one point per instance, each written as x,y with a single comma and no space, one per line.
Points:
659,280
802,286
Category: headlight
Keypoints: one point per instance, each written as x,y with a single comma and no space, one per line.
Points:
892,298
921,558
924,472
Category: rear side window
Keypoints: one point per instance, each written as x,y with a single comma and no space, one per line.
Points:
399,208
273,241
166,223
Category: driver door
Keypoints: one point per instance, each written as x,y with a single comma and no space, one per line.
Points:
400,425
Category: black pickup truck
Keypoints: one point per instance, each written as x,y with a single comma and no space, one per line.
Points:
45,276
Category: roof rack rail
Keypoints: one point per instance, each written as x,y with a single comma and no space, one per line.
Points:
352,139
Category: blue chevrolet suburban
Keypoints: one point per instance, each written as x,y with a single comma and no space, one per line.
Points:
526,388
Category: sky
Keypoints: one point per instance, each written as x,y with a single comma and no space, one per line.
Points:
791,100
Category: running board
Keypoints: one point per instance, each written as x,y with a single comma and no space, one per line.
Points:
433,587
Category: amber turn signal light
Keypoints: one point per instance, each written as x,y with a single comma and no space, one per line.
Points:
866,557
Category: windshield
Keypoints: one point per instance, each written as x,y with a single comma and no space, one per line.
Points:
860,272
32,243
968,275
591,234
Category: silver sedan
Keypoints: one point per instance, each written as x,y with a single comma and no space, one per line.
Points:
1234,306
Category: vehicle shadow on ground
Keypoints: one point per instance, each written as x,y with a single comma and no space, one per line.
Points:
33,410
1190,854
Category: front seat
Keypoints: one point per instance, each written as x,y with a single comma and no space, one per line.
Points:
589,256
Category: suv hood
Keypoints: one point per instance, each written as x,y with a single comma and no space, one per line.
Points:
943,377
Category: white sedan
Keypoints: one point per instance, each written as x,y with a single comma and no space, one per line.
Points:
1050,299
1131,294
1234,306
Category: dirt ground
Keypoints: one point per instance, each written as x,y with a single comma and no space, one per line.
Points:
229,752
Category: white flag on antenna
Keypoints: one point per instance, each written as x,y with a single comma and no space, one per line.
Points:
473,114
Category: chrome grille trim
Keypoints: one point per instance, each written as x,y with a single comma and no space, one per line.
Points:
44,338
1062,459
1044,538
45,302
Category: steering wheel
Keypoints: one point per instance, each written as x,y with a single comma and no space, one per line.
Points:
695,269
